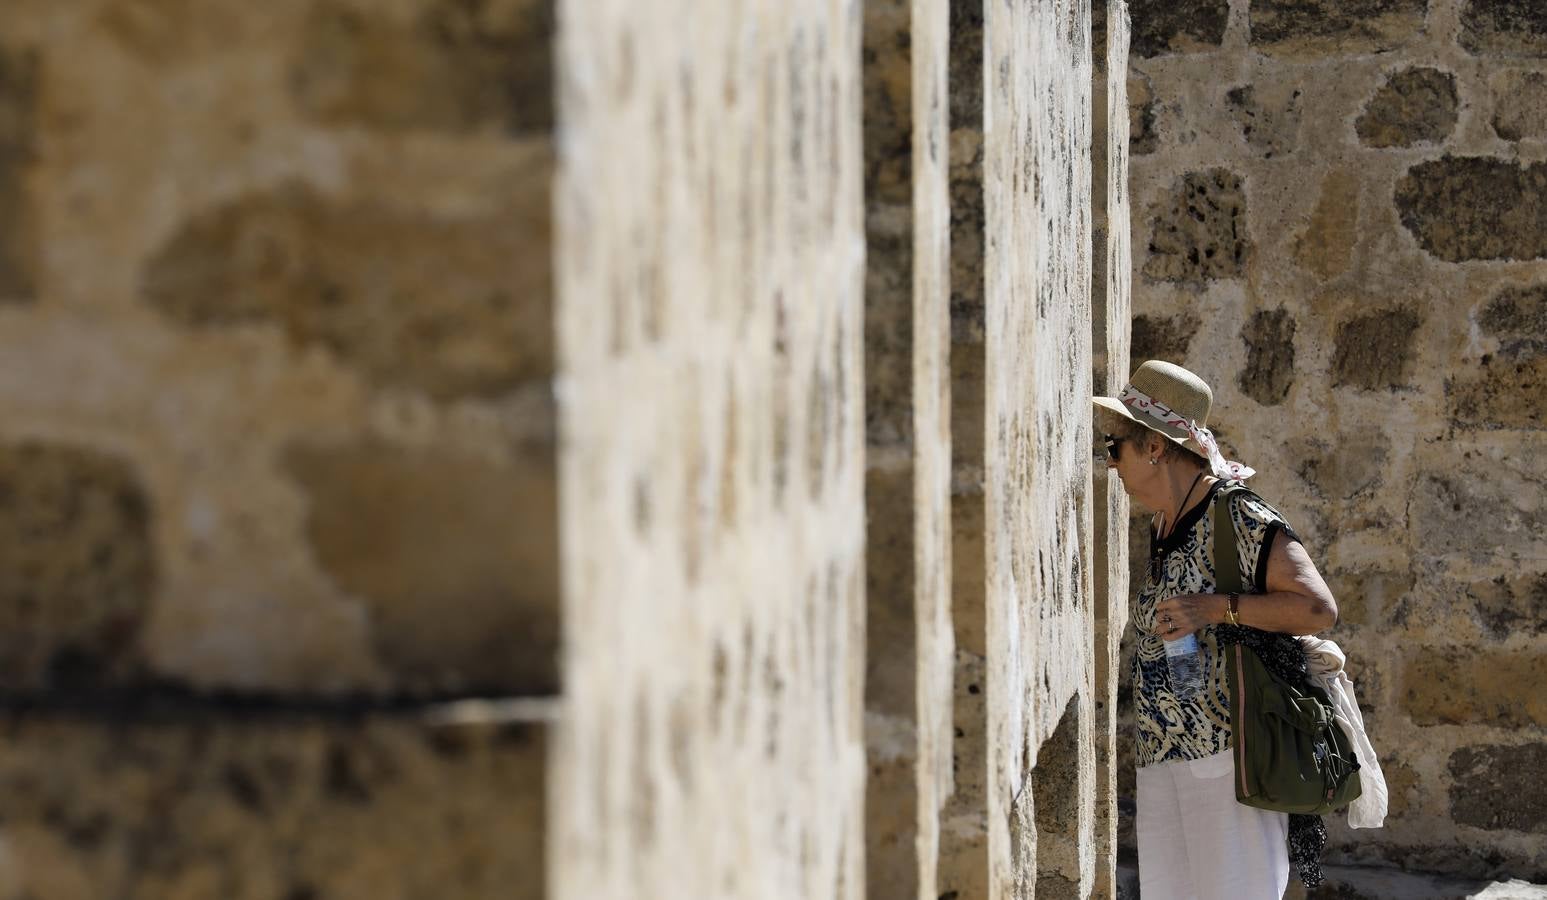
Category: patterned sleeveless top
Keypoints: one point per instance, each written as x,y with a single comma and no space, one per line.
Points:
1168,727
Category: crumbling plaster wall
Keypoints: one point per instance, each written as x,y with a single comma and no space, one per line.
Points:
1337,210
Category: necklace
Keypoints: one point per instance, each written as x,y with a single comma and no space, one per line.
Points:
1157,562
1183,505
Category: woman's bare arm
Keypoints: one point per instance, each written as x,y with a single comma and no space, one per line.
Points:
1297,600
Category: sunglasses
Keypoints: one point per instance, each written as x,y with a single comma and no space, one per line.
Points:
1114,446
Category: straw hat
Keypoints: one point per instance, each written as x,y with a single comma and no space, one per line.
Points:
1179,390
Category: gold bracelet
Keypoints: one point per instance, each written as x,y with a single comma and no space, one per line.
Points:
1232,604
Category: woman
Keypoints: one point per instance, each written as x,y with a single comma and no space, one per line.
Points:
1195,841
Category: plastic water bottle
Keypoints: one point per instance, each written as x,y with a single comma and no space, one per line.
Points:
1184,663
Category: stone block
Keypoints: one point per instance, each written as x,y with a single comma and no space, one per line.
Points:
1340,471
1517,318
1416,105
1475,687
1142,110
194,801
1163,337
1298,30
1268,115
454,67
19,87
1500,788
1326,246
450,306
1510,606
890,627
455,560
1375,351
1502,389
1366,596
1198,232
1177,26
1475,208
1520,105
1499,391
77,550
1270,356
1504,28
1509,509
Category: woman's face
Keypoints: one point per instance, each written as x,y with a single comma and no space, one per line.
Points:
1128,457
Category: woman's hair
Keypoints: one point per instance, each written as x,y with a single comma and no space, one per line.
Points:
1139,436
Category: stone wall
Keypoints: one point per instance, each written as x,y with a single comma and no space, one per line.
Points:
1022,815
277,454
345,344
712,453
1339,216
909,642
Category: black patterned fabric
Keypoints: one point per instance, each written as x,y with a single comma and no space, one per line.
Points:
1170,727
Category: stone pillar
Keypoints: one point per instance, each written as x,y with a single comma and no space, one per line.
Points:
711,289
1023,811
908,651
1111,278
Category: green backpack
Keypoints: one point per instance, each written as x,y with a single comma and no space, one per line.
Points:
1290,753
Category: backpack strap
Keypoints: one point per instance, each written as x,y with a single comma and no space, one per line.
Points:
1227,557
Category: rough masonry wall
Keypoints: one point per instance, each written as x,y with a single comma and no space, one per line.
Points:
711,253
1021,818
907,455
1339,216
1037,470
276,444
1111,299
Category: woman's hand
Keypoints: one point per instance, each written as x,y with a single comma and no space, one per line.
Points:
1179,616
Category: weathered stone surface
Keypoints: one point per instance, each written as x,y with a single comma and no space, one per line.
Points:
1517,318
717,678
1466,208
1509,606
1472,687
1500,788
458,67
1375,351
1299,29
208,803
1270,356
1344,469
1504,28
18,148
1269,115
1364,596
80,567
1166,338
1199,232
1142,106
450,306
1326,246
455,559
1414,106
1503,391
1177,26
1508,504
1520,105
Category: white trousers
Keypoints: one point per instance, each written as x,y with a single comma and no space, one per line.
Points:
1197,843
